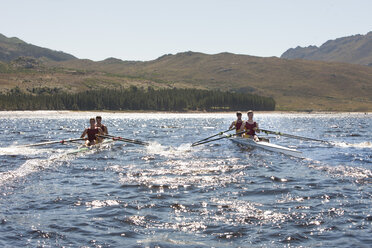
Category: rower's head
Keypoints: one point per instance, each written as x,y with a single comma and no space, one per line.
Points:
92,121
250,114
239,115
98,119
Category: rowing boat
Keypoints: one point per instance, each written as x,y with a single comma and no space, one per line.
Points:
263,144
88,148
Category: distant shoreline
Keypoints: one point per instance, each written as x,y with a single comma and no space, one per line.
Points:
176,112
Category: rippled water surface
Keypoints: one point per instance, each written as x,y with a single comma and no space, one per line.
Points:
172,195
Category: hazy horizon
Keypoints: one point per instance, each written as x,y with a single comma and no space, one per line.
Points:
145,30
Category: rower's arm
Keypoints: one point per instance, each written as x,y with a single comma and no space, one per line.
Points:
232,125
84,133
256,129
106,130
242,127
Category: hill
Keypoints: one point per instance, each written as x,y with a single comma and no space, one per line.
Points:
294,84
12,48
356,49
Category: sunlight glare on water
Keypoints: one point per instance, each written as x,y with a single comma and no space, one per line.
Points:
170,194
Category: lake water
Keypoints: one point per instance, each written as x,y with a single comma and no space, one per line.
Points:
172,195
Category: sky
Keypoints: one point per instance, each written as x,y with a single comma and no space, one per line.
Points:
147,29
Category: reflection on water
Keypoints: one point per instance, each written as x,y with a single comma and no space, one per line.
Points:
170,194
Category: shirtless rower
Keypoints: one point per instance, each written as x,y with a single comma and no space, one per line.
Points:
238,124
92,133
251,127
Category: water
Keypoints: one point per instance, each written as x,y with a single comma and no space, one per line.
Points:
172,195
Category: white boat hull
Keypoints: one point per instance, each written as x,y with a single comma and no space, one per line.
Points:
88,148
267,146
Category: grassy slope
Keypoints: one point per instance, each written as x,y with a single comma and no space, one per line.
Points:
68,80
294,84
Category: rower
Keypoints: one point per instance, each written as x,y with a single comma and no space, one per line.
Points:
103,127
238,123
99,124
92,133
251,127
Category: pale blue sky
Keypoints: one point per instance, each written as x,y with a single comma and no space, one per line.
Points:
146,30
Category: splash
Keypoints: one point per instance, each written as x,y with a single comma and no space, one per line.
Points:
39,164
29,167
184,148
18,150
365,144
99,204
156,148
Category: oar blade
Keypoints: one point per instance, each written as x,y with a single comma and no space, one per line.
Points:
293,136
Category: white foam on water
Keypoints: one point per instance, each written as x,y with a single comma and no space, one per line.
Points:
100,204
365,144
35,164
342,170
156,148
30,166
239,211
18,150
186,147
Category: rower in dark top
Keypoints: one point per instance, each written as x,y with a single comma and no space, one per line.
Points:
238,124
251,127
99,124
92,133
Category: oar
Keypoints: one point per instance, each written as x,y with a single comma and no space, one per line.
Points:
138,142
220,133
293,136
224,137
52,142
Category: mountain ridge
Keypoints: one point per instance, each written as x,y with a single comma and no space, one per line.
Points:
296,85
12,48
354,49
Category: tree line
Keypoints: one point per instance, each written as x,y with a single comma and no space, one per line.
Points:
134,98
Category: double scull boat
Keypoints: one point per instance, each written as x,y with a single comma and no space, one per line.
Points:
85,148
